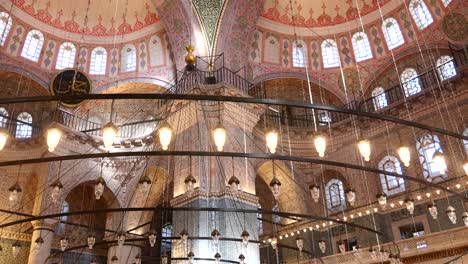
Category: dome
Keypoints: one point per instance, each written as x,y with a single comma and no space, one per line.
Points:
92,21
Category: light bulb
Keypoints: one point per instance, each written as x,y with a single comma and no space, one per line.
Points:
16,248
63,243
314,192
91,241
184,236
99,188
152,238
351,197
191,257
121,239
217,257
15,191
245,237
465,167
405,155
271,138
215,236
452,214
432,208
275,185
409,203
38,243
300,243
320,143
3,137
274,243
322,246
56,192
190,184
164,258
364,149
465,218
145,183
382,199
241,259
137,259
219,137
53,137
342,247
234,184
439,162
165,135
109,133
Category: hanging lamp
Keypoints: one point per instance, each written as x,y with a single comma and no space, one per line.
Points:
54,133
16,247
3,137
99,187
465,218
217,257
121,239
215,236
64,243
109,131
164,258
15,190
439,162
465,167
137,259
191,257
315,192
320,143
38,243
190,180
219,136
245,237
241,259
152,238
114,259
382,199
91,241
233,181
184,236
57,187
165,132
432,208
322,245
275,184
274,243
452,214
405,155
300,243
364,148
271,138
409,203
351,196
145,183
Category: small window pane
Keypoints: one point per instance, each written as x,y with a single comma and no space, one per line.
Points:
392,33
391,184
3,117
330,54
5,26
379,98
128,58
410,82
421,15
299,55
66,56
24,125
446,67
361,46
98,61
33,45
334,192
427,145
465,142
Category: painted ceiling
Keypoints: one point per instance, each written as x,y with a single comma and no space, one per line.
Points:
91,17
316,13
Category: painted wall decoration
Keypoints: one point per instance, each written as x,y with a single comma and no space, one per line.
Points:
455,26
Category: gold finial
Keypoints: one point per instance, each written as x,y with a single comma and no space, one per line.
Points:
190,58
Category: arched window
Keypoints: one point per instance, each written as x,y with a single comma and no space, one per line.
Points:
33,45
330,55
446,2
128,58
5,26
421,15
361,46
3,117
24,125
379,98
446,67
392,33
66,56
391,184
98,61
299,54
427,145
410,82
465,142
334,194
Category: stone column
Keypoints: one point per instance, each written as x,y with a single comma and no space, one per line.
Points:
126,254
44,230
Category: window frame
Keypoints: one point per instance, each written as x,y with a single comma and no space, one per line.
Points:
379,98
446,67
386,179
361,47
421,14
331,206
6,27
299,49
396,35
426,146
330,54
64,62
129,52
32,49
100,69
411,83
23,130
